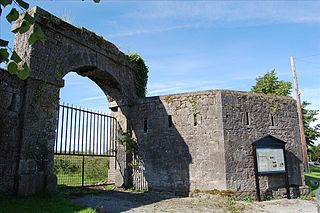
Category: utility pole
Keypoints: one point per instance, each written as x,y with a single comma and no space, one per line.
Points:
302,136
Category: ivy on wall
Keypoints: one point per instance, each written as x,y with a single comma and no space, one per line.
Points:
141,74
128,141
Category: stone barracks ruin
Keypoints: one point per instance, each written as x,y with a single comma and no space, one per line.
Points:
185,142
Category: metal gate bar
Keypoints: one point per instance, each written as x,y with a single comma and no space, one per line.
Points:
83,132
84,142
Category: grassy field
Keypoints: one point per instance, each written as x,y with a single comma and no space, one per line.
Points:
69,170
54,203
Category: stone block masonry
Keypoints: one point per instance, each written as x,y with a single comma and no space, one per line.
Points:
11,95
180,141
203,140
248,117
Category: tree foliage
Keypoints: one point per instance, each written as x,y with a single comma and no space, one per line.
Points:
314,153
19,12
269,84
312,133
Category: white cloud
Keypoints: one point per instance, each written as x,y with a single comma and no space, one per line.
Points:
297,12
151,30
183,86
156,17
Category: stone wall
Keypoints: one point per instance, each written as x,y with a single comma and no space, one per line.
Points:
208,145
187,155
11,99
27,130
248,117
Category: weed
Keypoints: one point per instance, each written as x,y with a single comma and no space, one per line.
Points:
246,198
232,206
221,192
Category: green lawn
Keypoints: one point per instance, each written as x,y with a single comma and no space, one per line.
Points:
69,170
314,174
41,204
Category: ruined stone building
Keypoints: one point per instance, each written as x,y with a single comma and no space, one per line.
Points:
185,142
203,140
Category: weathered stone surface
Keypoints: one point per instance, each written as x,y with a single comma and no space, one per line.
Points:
185,156
11,89
28,110
239,136
27,185
216,153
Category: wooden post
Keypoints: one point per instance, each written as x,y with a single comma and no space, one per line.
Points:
302,136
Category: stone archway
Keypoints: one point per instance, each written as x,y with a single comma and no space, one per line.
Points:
67,48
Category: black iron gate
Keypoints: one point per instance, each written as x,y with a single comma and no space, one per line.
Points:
84,142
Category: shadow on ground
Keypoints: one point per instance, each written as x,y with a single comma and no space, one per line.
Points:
122,201
119,201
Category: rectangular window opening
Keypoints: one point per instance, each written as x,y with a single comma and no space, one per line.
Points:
272,120
170,120
145,125
195,122
247,119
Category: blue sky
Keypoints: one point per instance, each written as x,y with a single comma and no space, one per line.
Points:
199,45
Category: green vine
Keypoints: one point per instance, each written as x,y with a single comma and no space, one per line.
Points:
128,141
141,74
194,104
276,107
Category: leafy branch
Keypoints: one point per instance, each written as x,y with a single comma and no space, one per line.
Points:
19,13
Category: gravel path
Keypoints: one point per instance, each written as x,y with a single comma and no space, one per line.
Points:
117,201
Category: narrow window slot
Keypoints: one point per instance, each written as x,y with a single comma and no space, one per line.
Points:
247,118
145,125
272,120
195,122
170,120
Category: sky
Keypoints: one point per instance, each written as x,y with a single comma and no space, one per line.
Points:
199,45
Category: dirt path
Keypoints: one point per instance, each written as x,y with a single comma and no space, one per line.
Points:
117,201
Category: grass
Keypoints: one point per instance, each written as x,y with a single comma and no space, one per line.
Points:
75,192
69,173
232,206
314,174
54,203
310,180
69,170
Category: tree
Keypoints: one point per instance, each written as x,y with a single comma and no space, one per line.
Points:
7,55
269,84
309,116
314,153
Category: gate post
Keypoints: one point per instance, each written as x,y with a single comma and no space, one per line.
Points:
35,172
119,170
